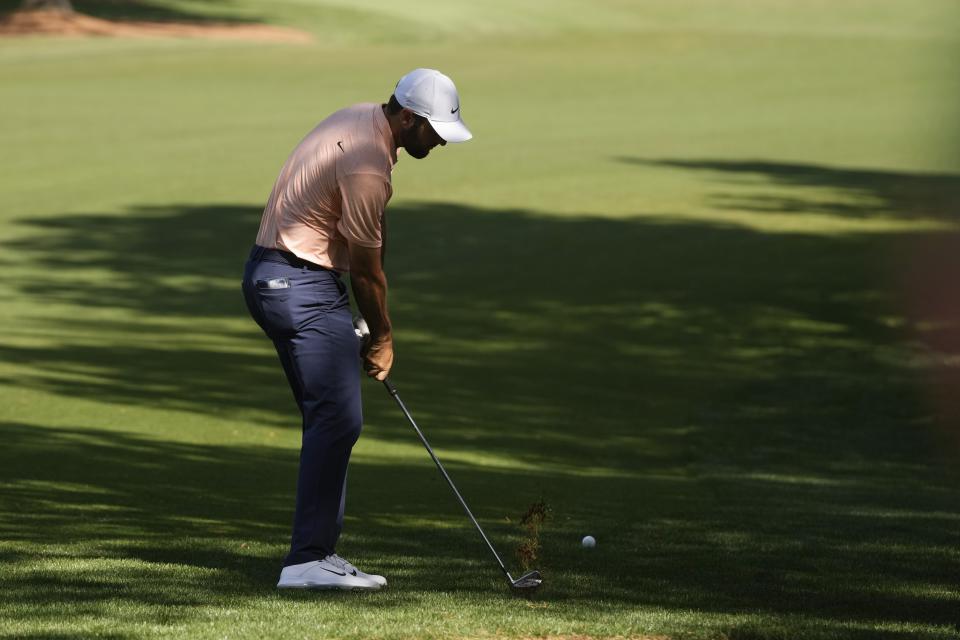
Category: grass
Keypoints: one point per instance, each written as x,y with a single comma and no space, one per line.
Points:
666,290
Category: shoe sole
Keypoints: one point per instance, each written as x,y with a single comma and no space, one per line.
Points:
326,587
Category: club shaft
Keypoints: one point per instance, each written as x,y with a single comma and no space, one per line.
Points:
393,392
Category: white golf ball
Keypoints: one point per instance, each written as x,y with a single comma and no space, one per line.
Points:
589,542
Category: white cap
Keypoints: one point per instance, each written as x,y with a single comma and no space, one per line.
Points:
430,94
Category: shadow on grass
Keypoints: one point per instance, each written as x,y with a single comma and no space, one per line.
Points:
172,527
214,12
736,416
509,339
214,518
893,193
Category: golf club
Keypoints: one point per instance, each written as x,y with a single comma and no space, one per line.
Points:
529,580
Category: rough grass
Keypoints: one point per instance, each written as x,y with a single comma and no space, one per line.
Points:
663,291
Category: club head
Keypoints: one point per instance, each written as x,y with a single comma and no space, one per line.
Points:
529,580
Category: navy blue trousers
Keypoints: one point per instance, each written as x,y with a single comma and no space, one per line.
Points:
305,311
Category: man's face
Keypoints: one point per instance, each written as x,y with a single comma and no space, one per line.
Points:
419,138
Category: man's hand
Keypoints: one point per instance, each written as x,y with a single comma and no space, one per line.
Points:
378,358
369,284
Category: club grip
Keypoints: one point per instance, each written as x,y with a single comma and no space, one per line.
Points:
392,390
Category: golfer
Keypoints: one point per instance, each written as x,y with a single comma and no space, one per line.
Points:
325,218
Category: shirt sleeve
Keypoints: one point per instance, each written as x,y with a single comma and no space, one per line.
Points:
363,199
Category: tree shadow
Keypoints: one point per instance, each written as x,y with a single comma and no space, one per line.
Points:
168,505
736,416
215,11
853,193
500,320
172,527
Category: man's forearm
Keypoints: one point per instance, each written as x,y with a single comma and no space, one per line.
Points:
370,292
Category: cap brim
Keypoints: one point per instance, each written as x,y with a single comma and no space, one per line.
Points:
454,131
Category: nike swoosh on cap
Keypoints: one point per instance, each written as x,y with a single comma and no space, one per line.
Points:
455,110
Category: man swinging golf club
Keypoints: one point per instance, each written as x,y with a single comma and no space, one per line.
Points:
324,218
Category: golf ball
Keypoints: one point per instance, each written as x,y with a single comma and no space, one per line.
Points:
589,542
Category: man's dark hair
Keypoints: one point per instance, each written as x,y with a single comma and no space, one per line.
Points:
394,107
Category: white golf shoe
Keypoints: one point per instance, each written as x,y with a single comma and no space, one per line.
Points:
330,573
350,569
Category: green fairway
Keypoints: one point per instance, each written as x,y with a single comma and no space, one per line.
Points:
665,290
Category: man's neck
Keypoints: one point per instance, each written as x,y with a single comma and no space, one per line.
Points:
394,123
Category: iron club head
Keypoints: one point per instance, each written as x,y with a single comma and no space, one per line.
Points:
526,583
529,580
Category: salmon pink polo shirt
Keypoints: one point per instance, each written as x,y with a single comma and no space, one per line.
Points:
333,189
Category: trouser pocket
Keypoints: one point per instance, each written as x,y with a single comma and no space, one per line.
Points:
267,292
285,300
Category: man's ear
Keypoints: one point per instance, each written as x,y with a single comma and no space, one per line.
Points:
407,118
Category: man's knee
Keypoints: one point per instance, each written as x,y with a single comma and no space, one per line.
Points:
338,420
